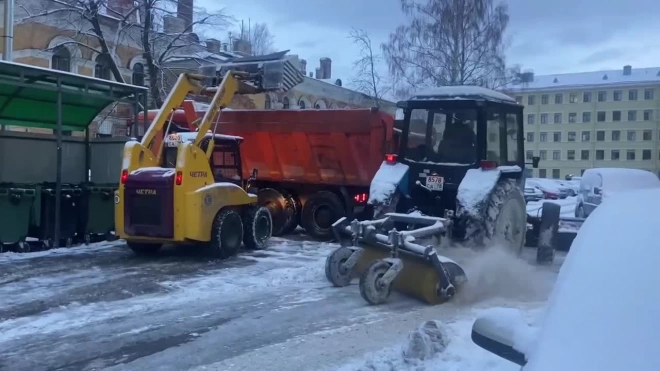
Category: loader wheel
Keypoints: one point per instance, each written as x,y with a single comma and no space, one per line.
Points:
320,211
258,227
334,267
293,209
226,234
143,248
549,228
371,289
504,219
276,203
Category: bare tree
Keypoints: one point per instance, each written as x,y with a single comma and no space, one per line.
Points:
259,36
449,42
367,78
102,27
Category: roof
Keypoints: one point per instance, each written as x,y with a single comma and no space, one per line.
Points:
462,92
594,78
28,97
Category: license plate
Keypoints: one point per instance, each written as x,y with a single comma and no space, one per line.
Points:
435,183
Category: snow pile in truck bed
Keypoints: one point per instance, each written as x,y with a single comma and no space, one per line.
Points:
385,182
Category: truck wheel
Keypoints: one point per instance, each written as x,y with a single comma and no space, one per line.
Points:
276,203
548,233
258,227
320,211
226,234
143,248
293,210
504,218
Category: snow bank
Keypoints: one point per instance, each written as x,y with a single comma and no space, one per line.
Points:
83,249
603,312
386,181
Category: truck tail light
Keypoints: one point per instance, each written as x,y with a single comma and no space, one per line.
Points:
179,178
488,165
124,176
391,158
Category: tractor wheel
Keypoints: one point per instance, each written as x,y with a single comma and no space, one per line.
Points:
504,219
276,203
320,211
293,208
258,227
226,234
144,249
548,233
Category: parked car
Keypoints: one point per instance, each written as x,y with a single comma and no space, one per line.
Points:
533,194
600,183
552,190
583,327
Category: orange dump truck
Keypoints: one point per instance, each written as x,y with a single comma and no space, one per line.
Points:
313,166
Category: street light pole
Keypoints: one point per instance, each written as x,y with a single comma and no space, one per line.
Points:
8,37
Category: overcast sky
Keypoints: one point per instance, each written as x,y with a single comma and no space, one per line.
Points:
547,36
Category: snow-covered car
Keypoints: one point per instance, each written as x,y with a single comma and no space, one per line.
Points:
552,190
603,311
600,183
533,194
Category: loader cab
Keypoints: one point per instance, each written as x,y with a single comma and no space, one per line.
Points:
448,130
225,160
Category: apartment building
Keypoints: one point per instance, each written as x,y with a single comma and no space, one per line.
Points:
578,121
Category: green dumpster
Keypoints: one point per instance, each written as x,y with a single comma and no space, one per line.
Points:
98,212
43,214
15,205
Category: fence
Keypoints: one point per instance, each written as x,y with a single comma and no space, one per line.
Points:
30,158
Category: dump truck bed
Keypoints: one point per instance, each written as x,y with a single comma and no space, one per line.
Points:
340,147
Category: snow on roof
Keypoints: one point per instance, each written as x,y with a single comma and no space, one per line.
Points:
594,78
465,91
618,179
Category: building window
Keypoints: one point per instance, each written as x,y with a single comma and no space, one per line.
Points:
570,154
600,135
586,97
571,136
586,136
647,135
559,98
519,99
544,99
618,94
557,118
600,154
600,116
616,115
614,155
542,173
529,155
267,102
572,117
648,115
556,136
632,135
616,135
61,59
544,118
530,137
531,100
572,98
584,154
630,155
543,137
301,104
556,155
530,119
632,94
648,94
543,154
102,68
632,115
586,116
602,96
138,74
555,173
646,154
285,103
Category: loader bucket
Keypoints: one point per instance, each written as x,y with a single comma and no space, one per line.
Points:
419,277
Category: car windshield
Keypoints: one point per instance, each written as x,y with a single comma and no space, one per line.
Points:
442,136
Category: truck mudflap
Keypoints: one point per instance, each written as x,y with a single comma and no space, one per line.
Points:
149,203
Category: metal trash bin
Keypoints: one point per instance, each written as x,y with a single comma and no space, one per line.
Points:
43,214
97,212
16,202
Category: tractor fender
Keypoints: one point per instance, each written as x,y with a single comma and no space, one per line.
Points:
387,180
477,185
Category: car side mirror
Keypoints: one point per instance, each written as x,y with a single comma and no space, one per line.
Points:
535,161
597,190
497,332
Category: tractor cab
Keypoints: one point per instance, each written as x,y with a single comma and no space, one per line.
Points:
448,130
225,160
